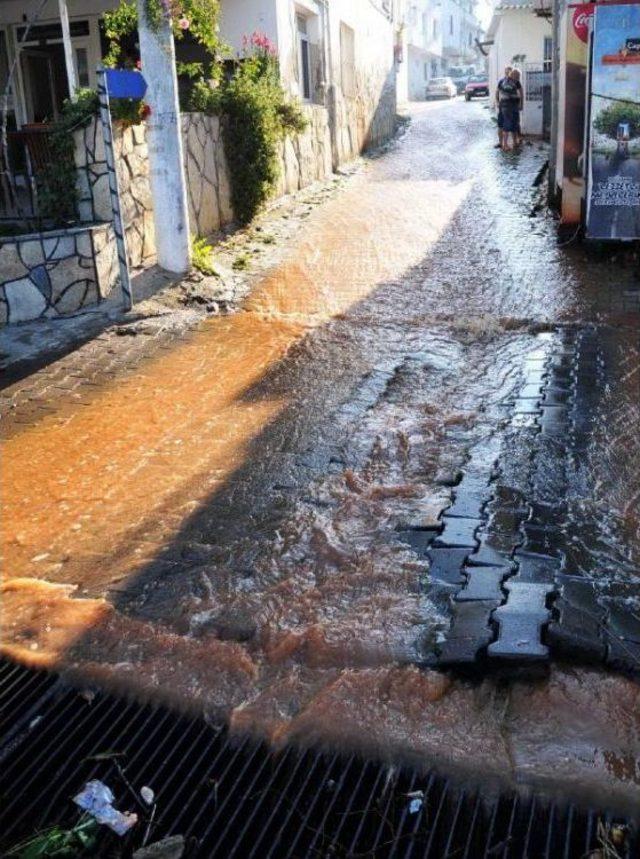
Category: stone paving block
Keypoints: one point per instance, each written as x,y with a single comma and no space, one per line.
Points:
445,565
623,655
498,543
537,375
469,497
483,583
577,632
555,396
554,420
542,540
621,620
442,595
419,540
526,407
520,621
530,391
458,532
470,632
534,569
486,556
542,514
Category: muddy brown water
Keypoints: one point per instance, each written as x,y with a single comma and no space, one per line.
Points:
220,527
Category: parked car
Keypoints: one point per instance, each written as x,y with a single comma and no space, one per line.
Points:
460,83
441,88
477,86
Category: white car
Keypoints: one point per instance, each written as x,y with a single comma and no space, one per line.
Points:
441,88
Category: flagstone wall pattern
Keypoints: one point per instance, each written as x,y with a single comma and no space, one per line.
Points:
56,273
132,163
304,158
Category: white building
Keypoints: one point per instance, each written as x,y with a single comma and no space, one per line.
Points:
441,34
424,45
460,30
523,39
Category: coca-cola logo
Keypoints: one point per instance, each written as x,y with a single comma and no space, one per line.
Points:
581,20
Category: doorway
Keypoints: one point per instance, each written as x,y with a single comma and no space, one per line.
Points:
45,82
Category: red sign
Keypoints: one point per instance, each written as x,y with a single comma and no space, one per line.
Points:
582,16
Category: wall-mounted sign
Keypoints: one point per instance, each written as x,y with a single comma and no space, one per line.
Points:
581,21
122,83
613,194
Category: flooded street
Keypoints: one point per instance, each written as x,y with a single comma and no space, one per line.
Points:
251,519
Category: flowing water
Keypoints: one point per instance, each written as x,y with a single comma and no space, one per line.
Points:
222,523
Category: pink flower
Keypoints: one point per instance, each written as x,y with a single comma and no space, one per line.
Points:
139,64
183,23
261,42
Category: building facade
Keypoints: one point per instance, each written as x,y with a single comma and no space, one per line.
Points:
337,53
441,35
524,39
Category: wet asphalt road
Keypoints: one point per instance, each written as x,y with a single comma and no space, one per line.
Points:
229,503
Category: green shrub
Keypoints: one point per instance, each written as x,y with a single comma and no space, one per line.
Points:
258,116
129,111
607,121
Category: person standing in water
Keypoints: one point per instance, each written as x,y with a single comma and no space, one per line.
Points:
500,143
509,97
515,75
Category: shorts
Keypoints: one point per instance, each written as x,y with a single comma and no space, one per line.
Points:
510,118
500,119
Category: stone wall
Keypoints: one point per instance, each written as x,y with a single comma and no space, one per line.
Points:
369,118
56,273
306,157
365,120
207,174
132,162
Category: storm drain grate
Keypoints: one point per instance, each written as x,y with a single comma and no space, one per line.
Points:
234,797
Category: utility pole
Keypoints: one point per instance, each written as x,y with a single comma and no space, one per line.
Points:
164,138
72,77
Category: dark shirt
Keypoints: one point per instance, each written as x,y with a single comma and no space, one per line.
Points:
509,91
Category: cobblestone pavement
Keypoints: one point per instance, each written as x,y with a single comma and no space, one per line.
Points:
413,446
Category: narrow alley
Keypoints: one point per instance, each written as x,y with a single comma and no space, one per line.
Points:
391,505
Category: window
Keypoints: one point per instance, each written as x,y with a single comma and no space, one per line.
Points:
304,60
347,61
82,67
451,25
435,29
425,23
470,39
547,54
426,71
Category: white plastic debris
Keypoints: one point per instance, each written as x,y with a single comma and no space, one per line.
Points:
97,799
147,795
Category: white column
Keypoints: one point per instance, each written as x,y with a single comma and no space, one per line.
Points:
72,78
168,188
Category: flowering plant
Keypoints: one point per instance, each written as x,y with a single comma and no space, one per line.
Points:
197,17
260,43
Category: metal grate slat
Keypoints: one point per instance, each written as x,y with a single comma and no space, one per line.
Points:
233,798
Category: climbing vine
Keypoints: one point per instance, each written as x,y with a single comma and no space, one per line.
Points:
197,17
57,193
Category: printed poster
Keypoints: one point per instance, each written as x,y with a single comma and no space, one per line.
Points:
613,194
